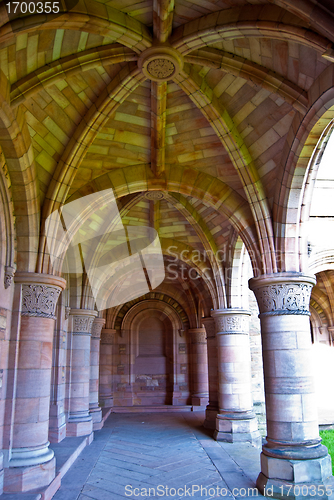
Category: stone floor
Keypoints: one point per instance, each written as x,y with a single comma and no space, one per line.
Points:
160,451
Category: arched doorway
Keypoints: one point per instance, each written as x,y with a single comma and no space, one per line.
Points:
153,363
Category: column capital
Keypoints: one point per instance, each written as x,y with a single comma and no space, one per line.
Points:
97,327
40,293
82,321
9,276
231,321
210,328
198,335
67,312
283,293
107,335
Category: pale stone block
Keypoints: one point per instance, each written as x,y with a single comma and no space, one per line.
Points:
76,429
292,363
301,431
22,479
280,469
296,471
284,407
273,341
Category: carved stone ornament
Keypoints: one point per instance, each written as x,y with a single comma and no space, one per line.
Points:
107,336
198,335
283,293
39,300
231,323
82,325
160,63
9,275
67,312
161,68
154,195
210,328
284,298
97,327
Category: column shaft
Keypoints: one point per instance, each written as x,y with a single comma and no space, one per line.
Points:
212,408
80,421
106,368
199,367
57,424
94,408
236,420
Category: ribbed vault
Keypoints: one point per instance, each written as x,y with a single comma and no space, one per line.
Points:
88,103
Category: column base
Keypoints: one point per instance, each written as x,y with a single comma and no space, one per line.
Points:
235,429
96,414
200,401
296,479
26,457
211,413
176,397
1,473
57,424
57,434
107,402
79,426
22,479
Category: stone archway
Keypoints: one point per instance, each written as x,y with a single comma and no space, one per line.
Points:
152,337
151,357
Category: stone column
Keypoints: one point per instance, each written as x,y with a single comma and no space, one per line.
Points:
106,368
31,461
330,334
212,409
80,421
94,408
199,367
236,420
292,455
57,423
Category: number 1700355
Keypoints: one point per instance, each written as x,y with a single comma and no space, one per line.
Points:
33,7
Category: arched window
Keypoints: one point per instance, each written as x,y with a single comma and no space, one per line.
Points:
321,222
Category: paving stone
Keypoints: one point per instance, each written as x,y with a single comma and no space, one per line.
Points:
108,470
167,451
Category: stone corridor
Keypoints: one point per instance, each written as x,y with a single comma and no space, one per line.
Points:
145,450
166,245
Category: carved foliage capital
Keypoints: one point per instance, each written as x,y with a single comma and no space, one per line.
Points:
97,327
284,298
82,323
232,323
39,300
107,336
9,276
197,335
210,327
67,312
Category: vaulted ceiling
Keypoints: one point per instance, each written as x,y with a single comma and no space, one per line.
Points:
197,100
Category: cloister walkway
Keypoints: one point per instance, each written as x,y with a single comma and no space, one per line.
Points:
160,455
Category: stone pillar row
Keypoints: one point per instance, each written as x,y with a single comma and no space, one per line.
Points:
293,455
236,420
31,462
